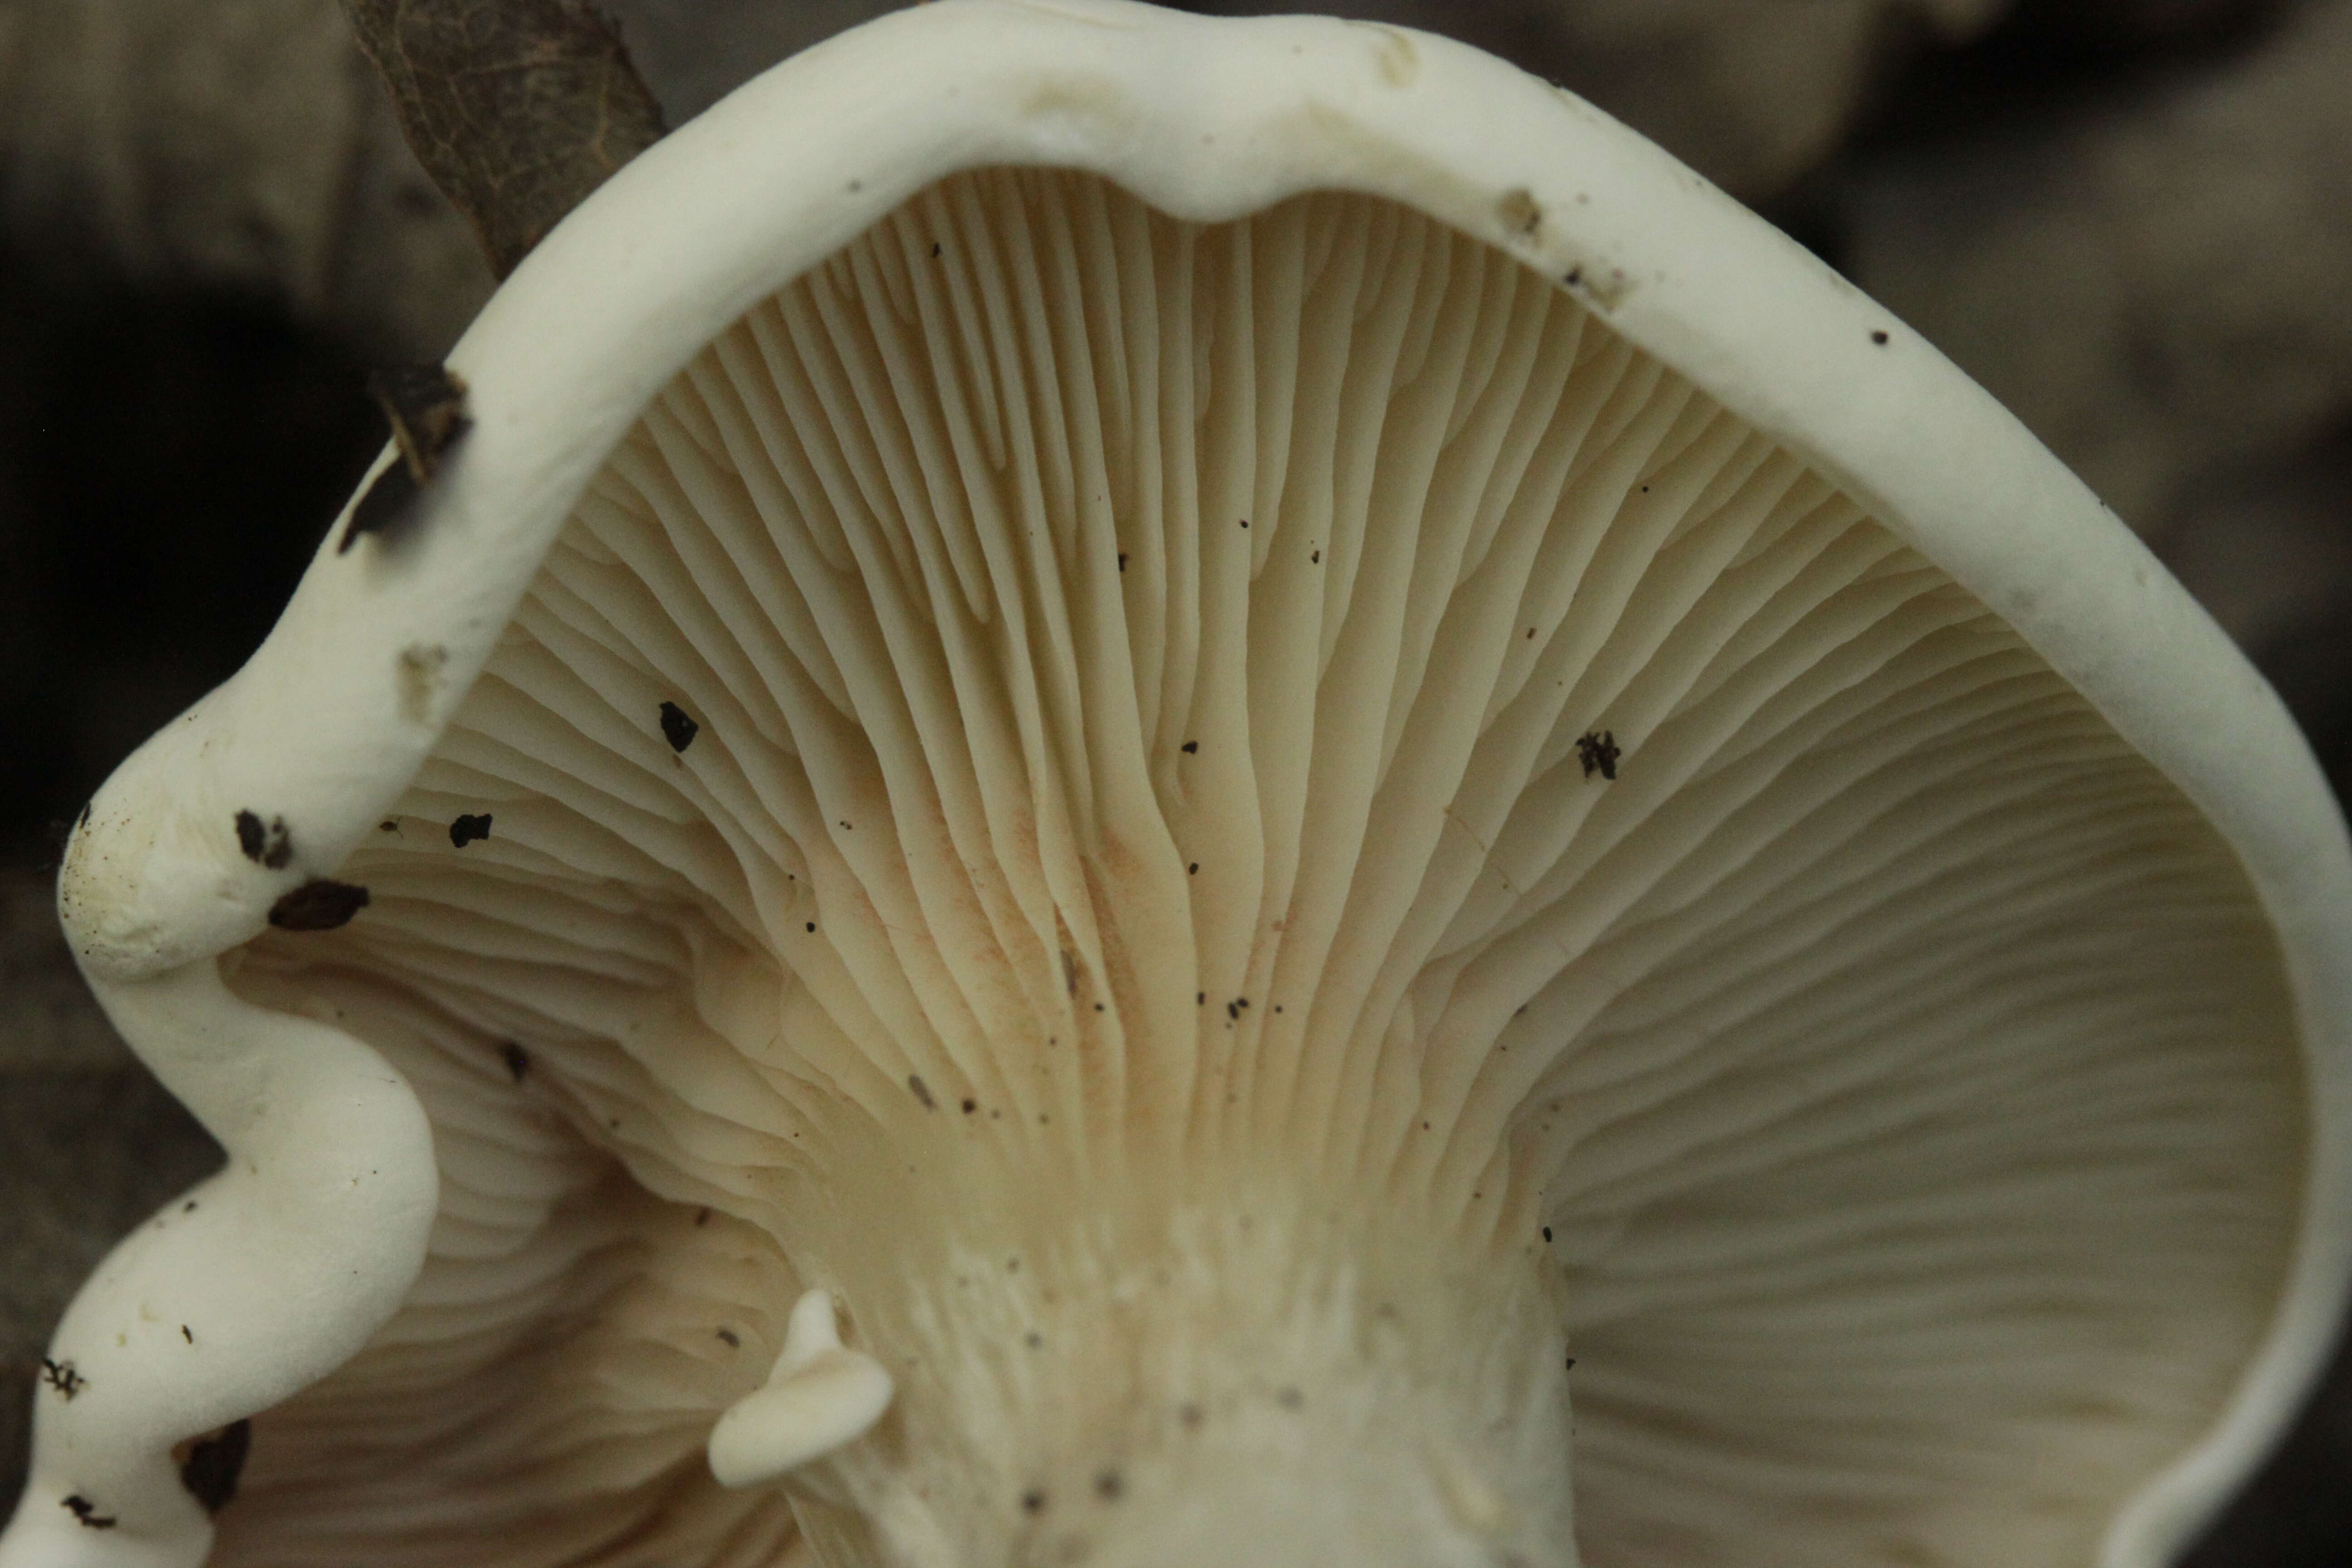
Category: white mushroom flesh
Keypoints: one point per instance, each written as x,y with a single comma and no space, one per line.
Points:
1143,920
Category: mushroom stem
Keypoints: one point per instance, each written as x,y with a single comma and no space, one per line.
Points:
1246,1376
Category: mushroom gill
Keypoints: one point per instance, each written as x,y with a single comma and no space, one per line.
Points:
1244,836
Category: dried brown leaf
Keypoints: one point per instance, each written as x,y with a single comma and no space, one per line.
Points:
518,109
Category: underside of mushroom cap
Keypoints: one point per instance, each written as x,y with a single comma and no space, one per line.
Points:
1244,829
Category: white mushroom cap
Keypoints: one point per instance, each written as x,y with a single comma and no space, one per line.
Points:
1923,1062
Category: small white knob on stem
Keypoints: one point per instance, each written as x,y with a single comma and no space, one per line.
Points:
819,1396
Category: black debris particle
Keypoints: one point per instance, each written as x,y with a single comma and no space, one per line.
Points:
1878,338
1122,560
811,925
82,1509
729,1336
387,825
383,508
318,905
1110,1485
1032,1501
425,407
61,1376
701,1218
470,829
84,821
1316,558
969,1106
677,728
1200,998
1571,1366
1575,276
935,248
518,1060
213,1465
1599,752
188,1207
1245,522
186,1335
1290,1398
1195,870
1547,1233
1190,746
920,1092
271,846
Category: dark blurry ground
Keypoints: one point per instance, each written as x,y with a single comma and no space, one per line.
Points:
2132,219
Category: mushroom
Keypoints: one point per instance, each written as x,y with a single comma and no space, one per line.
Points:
1199,747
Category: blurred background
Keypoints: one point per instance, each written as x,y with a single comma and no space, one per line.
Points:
2130,219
